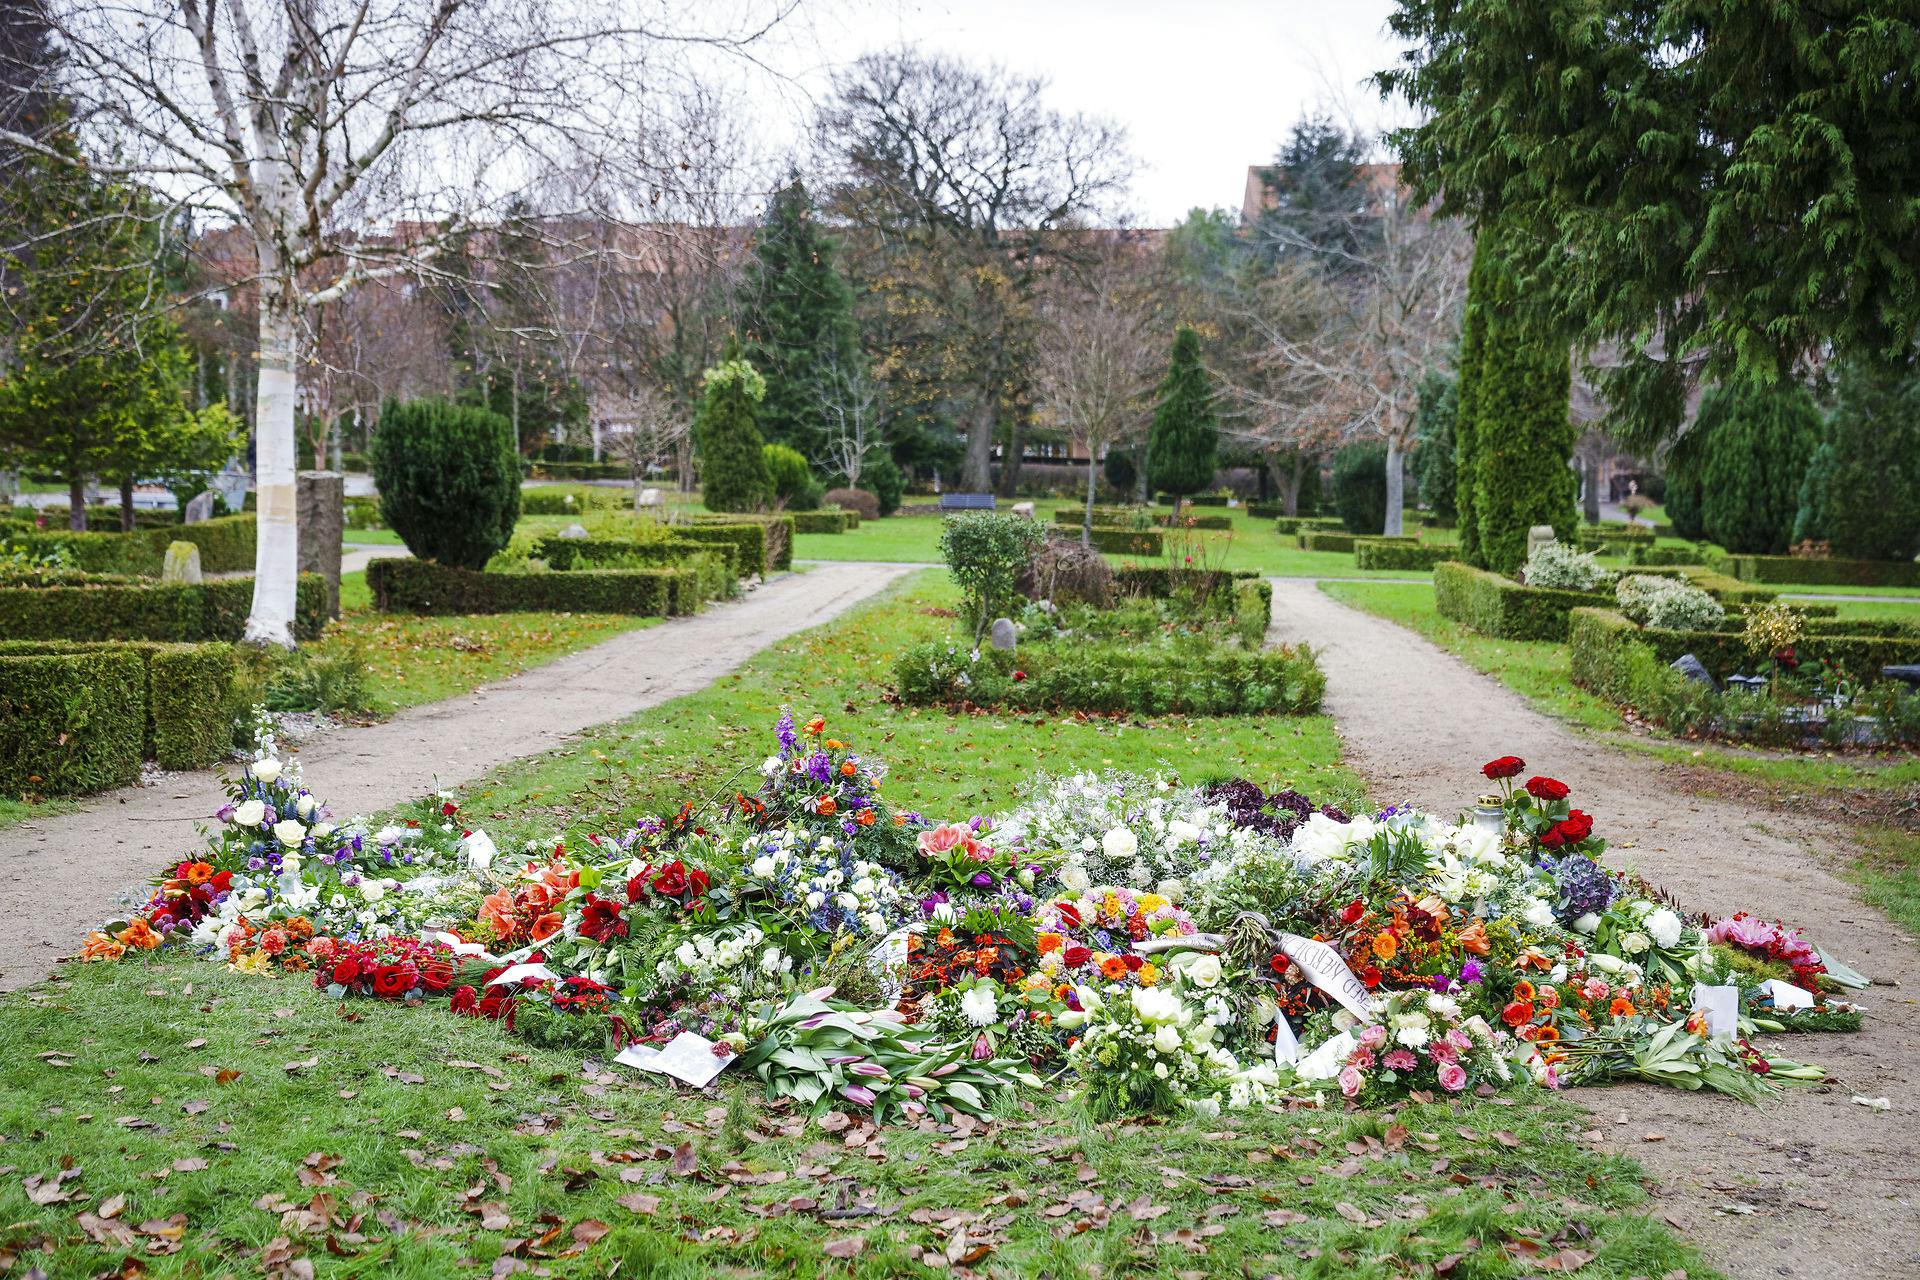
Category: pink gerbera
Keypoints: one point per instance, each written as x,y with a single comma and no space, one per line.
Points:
1401,1060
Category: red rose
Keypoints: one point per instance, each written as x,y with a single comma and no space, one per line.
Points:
492,1005
391,981
1280,963
347,971
1504,767
1546,788
1018,676
600,920
448,809
1553,837
1517,1012
436,974
1575,827
672,880
466,1001
1352,912
1076,955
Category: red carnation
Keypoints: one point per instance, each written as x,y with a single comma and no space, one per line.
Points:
1076,955
1504,767
1546,788
1132,962
466,1001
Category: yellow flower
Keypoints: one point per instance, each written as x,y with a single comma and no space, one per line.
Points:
254,962
1151,902
1148,975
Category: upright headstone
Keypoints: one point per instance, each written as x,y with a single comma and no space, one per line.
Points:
182,563
321,512
1023,509
648,498
1539,536
200,507
1695,670
232,484
1003,636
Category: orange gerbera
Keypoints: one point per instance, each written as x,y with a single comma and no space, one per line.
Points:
825,807
99,946
139,934
1622,1007
816,725
198,873
1113,967
1384,946
1545,1035
1523,990
545,927
1050,942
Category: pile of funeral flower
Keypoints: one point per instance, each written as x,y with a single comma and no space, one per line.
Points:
1153,947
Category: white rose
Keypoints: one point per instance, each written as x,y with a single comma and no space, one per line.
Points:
1171,888
1587,923
290,865
250,813
1539,914
1202,970
763,866
1089,844
480,850
265,770
289,833
1665,927
1167,1039
304,806
1075,877
1154,1006
1120,844
1635,943
372,890
322,830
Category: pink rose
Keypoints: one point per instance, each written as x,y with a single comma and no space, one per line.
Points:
1372,1037
1453,1077
1350,1081
941,840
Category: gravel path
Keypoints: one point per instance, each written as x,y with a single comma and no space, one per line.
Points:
61,876
1813,1184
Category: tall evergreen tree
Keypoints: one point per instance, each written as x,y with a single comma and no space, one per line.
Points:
1466,420
1184,439
1759,440
733,464
1434,462
797,323
1865,492
1523,432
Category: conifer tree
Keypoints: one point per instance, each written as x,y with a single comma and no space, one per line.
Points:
1183,441
733,464
1759,441
1466,423
797,324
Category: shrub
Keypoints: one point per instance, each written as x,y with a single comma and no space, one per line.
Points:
226,546
1757,442
1668,603
1647,553
1384,553
449,479
184,694
421,586
1560,567
1327,540
1867,506
1433,463
859,501
1300,524
106,609
1815,571
1061,569
76,722
1182,443
821,521
1188,520
1145,680
1128,542
1360,487
1121,473
1498,606
882,476
766,541
733,464
986,551
793,484
712,563
558,501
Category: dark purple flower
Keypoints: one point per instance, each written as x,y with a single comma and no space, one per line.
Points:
982,880
788,738
1470,971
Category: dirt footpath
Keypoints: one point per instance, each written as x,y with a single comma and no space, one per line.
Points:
61,876
1810,1185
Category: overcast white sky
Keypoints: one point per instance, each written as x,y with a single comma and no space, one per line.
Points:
1203,87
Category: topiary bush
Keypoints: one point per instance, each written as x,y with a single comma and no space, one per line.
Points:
1433,463
726,433
986,551
793,484
449,479
1121,473
1360,488
859,501
1183,441
882,476
1561,567
76,722
1757,442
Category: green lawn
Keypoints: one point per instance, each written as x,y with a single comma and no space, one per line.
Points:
221,1123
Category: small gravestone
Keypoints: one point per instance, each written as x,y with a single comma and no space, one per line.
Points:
1023,509
1003,635
182,563
1695,670
649,498
200,507
1538,536
575,531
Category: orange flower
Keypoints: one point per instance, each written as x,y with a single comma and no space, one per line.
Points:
1545,1035
99,946
496,912
1384,946
816,725
1523,990
198,873
826,808
833,744
1622,1007
848,769
1051,942
1113,967
1535,957
1474,938
1520,1011
545,927
865,817
944,937
139,934
899,819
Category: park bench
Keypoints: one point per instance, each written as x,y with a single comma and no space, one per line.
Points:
966,502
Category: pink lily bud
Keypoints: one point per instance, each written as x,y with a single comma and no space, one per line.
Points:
982,1047
869,1069
858,1093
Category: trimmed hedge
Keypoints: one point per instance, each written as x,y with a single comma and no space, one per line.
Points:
226,546
825,520
711,563
1194,499
1841,573
75,722
423,587
109,610
765,543
1640,553
1149,680
1129,542
1498,606
569,502
1287,525
1860,647
1384,553
1267,510
184,694
1160,581
1336,540
578,471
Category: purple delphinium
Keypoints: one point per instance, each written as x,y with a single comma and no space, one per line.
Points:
788,738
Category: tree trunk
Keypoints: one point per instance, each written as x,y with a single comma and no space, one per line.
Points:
1396,486
126,504
1592,501
1015,455
683,463
276,558
976,471
1086,526
77,502
1289,483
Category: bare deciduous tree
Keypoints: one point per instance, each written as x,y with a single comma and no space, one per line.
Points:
351,140
851,406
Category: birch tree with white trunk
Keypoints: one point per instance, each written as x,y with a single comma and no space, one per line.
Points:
350,140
